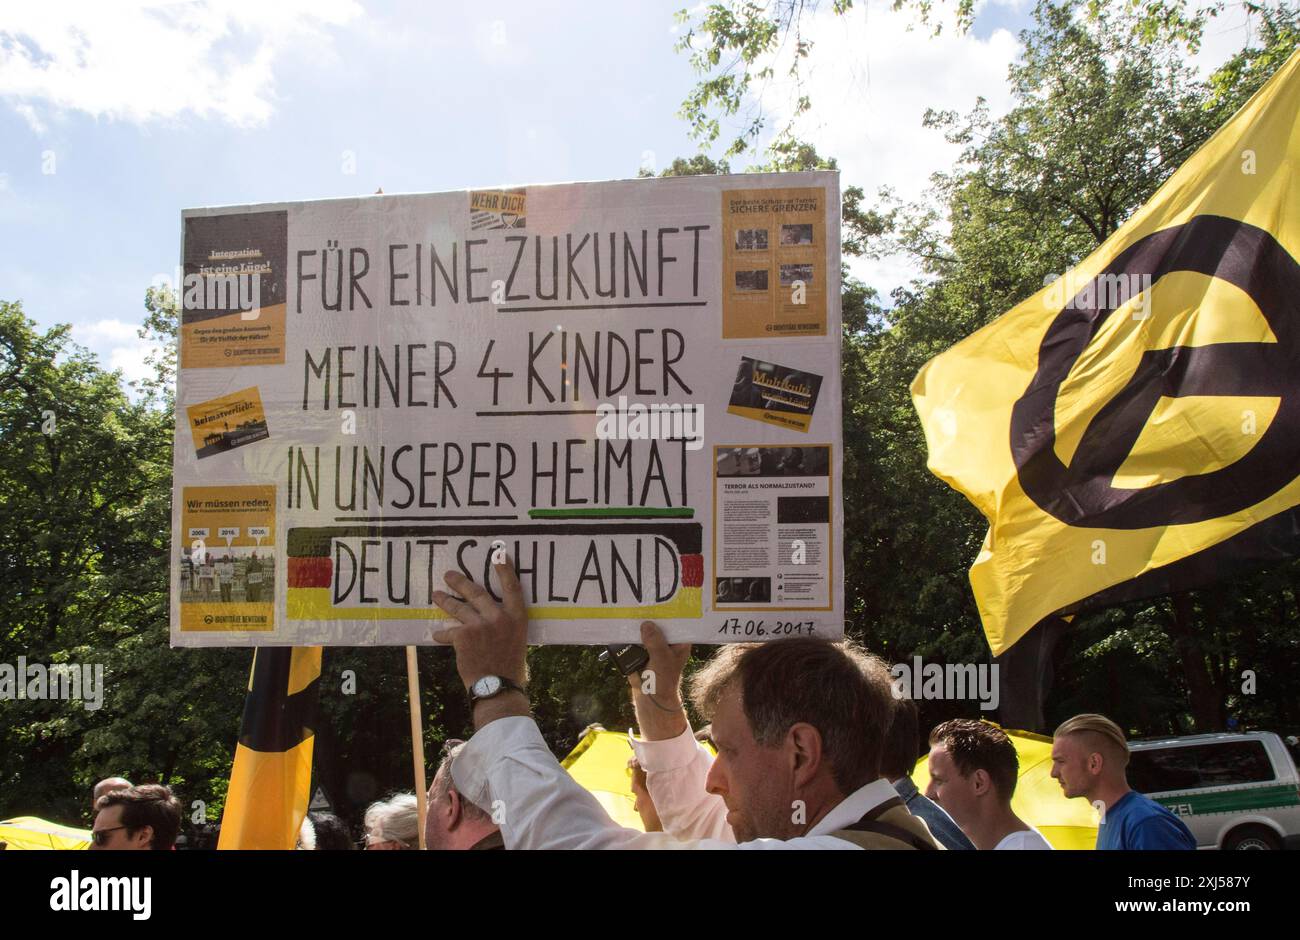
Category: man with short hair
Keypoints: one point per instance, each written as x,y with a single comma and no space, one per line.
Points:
1090,760
451,821
798,724
137,818
226,577
253,579
973,771
107,785
896,766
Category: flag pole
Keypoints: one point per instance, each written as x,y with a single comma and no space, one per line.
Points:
417,734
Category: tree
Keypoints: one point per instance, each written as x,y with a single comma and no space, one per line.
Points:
1102,118
1105,111
737,46
84,536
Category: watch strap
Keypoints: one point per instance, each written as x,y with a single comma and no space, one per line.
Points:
507,685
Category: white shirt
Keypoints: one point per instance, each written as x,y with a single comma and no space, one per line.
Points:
507,769
1030,838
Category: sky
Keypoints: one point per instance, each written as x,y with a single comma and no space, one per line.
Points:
116,115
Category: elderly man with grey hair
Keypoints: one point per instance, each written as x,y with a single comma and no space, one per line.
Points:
107,785
453,822
393,824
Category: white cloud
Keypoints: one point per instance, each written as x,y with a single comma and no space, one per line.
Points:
1018,6
498,46
873,78
118,346
150,60
28,114
870,82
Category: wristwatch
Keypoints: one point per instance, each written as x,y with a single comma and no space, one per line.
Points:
490,686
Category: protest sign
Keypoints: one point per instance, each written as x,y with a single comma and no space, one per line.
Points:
631,388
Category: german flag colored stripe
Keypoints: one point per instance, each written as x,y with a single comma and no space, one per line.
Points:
692,570
310,572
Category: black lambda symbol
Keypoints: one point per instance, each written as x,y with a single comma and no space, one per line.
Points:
1081,494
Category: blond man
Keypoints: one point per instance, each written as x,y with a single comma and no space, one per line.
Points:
1090,760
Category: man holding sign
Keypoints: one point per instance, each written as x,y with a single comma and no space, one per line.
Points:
253,576
797,765
207,576
226,577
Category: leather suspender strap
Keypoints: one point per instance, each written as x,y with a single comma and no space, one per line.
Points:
879,810
870,823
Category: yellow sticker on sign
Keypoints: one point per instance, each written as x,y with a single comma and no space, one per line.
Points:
227,572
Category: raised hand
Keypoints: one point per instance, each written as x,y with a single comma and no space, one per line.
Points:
490,639
656,689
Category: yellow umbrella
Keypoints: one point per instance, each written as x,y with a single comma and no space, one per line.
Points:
1067,824
28,832
599,764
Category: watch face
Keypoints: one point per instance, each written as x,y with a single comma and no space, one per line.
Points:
487,686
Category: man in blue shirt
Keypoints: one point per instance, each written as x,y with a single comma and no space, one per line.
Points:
896,765
1090,760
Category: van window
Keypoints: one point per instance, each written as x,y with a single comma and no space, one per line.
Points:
1170,768
1234,762
1201,765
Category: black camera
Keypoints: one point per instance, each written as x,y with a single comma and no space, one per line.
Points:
626,657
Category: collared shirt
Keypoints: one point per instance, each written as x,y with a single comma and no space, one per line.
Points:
508,770
941,825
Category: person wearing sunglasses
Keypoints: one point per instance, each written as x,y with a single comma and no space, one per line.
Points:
137,818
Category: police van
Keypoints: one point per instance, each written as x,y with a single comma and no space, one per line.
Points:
1234,791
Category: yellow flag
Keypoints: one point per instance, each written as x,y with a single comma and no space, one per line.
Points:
270,782
1134,428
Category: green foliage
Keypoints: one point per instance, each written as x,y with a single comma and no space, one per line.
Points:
1104,111
1246,72
697,164
363,741
1101,118
160,328
732,45
85,508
